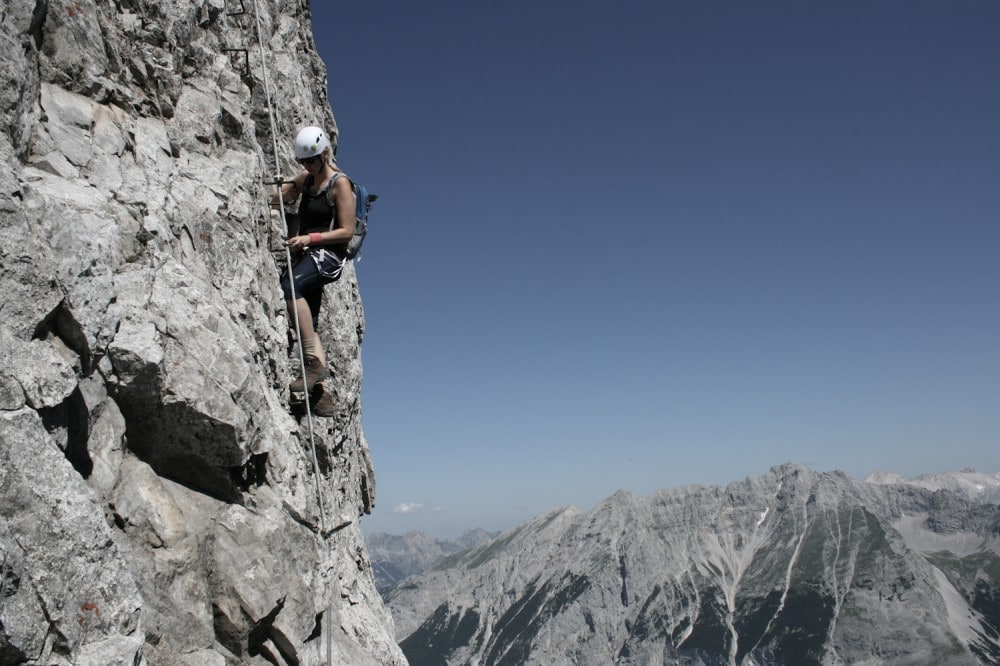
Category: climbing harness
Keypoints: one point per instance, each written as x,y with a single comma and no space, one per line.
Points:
298,331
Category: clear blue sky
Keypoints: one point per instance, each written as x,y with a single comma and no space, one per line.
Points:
648,244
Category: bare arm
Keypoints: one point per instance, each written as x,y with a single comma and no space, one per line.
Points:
343,196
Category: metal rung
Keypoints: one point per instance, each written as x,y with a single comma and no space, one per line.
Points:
243,10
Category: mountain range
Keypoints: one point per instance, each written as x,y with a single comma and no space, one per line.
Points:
792,567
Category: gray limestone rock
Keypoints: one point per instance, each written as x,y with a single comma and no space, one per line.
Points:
66,593
159,501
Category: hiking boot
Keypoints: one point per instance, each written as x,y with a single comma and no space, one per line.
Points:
321,402
316,371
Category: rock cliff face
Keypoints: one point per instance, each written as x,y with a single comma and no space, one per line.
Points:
159,501
794,567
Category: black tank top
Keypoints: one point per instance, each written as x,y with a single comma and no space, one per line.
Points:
317,215
315,211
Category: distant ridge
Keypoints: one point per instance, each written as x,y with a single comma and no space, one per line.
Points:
973,485
395,557
792,567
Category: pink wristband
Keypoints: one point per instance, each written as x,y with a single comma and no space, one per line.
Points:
315,238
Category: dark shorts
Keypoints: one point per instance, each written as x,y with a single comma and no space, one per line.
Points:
310,278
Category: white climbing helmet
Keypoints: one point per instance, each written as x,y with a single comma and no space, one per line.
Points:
310,142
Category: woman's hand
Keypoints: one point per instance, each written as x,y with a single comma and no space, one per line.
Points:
298,242
302,242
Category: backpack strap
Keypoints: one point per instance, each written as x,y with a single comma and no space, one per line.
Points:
362,204
329,195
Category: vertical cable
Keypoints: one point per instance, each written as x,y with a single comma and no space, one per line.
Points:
298,331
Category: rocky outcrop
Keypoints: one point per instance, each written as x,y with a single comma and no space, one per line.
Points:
794,567
159,501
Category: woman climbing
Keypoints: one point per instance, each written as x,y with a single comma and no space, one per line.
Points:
326,224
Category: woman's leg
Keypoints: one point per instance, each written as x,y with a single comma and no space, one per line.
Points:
300,306
306,278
